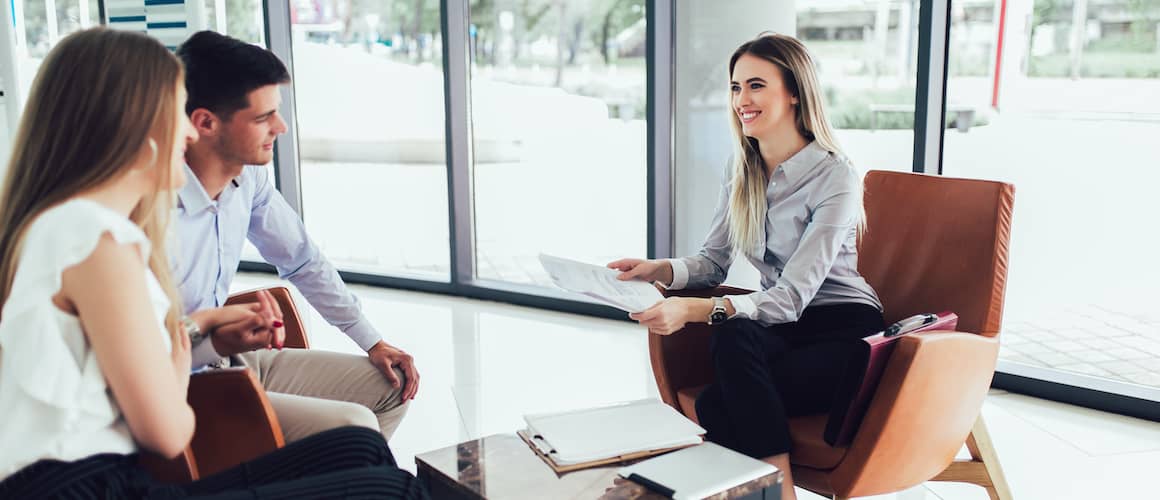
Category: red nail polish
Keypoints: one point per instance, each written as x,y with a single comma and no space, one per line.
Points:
277,324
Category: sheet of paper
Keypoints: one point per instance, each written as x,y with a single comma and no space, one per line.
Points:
600,283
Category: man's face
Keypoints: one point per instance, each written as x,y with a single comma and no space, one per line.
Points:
248,136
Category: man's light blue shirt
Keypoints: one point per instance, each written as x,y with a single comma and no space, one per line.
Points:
210,237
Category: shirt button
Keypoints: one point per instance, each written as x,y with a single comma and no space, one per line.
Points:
213,209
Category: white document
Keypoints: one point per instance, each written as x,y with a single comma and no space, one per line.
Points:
699,471
611,431
601,284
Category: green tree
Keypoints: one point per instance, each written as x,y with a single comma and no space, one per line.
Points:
483,17
243,21
610,17
1044,12
1144,13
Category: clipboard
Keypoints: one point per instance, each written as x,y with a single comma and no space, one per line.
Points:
560,469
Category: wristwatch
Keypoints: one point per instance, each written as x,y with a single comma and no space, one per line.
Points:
194,331
718,314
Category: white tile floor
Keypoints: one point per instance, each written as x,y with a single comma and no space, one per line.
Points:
484,364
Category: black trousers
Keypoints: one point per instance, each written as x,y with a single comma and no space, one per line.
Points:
349,462
767,374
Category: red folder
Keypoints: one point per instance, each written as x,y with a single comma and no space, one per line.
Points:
865,369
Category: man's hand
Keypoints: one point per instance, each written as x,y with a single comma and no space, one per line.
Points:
247,327
385,358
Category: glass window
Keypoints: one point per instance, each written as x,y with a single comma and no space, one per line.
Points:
244,20
241,19
41,30
559,133
368,77
866,56
1063,110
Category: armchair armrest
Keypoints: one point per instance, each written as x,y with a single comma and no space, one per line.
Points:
682,360
235,421
933,386
292,322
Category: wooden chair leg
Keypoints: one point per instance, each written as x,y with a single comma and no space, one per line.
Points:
983,469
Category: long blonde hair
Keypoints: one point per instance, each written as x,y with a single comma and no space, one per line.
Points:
747,204
99,96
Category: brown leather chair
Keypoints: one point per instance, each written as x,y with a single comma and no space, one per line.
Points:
932,244
235,422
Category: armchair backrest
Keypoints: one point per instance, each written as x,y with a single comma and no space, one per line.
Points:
937,243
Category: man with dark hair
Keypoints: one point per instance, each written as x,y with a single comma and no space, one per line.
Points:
233,102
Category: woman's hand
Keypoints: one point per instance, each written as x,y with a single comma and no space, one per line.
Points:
239,328
672,314
646,270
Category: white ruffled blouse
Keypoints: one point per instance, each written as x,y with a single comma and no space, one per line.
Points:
54,402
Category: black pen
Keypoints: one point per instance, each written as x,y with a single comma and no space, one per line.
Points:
911,323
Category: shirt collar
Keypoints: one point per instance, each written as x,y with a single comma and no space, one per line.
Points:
803,161
192,197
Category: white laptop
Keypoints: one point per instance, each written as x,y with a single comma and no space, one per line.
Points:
697,471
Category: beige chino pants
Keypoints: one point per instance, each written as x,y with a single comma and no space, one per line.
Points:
314,391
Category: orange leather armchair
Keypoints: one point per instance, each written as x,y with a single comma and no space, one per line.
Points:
235,422
932,244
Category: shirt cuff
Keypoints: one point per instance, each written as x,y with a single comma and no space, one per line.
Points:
204,354
680,274
363,334
743,307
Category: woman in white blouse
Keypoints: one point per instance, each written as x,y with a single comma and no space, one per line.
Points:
94,357
792,206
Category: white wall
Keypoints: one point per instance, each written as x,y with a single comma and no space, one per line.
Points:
707,34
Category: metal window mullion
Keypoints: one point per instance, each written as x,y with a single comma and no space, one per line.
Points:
51,22
219,14
457,113
20,29
660,106
9,57
286,160
934,24
84,14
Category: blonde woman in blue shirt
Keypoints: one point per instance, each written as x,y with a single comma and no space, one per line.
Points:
792,206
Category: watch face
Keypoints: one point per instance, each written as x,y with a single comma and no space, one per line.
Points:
717,317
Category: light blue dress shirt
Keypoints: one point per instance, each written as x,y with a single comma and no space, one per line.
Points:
211,234
810,257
